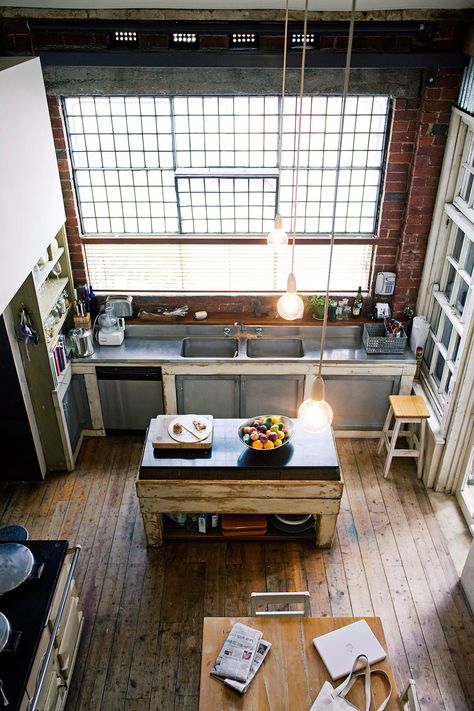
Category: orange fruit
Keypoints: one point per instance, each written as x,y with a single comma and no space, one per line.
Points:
268,445
256,444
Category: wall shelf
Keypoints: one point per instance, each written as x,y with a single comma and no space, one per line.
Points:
40,275
49,294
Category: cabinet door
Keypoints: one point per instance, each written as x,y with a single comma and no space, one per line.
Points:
267,394
76,409
360,402
216,395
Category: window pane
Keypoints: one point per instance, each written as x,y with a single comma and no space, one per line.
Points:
428,351
447,330
450,281
239,133
458,244
461,297
469,264
438,371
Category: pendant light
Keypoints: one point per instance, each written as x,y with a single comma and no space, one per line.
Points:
277,237
315,413
290,306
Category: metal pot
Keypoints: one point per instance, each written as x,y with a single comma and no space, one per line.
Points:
82,342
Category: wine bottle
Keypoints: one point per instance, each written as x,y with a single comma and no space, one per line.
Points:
357,304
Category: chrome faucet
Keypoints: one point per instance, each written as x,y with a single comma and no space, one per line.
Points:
259,332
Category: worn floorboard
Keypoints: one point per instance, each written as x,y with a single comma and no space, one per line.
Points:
144,608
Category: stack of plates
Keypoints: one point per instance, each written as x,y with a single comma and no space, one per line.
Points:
292,523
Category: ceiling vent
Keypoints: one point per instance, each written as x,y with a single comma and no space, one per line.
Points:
184,39
123,38
297,38
243,40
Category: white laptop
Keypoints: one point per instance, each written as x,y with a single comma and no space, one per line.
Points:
338,649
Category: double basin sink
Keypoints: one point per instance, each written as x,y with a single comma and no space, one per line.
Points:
228,347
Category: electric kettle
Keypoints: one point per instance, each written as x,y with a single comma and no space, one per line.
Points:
82,343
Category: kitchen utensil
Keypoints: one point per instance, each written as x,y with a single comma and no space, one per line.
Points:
81,342
16,564
286,422
296,524
4,698
5,631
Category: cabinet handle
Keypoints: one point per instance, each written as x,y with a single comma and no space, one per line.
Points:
49,650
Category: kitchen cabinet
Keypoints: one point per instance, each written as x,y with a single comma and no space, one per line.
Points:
45,363
61,636
76,409
360,402
239,395
217,395
281,394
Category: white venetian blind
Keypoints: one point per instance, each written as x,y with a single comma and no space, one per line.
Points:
163,267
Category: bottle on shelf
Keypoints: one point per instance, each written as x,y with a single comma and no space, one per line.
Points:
357,304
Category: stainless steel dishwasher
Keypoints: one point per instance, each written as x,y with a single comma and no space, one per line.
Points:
130,396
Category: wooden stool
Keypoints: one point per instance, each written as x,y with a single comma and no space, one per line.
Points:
411,410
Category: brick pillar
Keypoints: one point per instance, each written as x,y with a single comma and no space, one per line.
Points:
76,249
414,161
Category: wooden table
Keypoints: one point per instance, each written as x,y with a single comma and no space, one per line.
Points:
292,674
301,477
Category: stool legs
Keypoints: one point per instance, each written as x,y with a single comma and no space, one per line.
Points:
419,470
391,449
383,436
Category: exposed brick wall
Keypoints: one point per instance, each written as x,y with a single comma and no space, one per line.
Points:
76,249
417,141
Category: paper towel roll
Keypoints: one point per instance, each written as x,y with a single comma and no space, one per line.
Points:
419,332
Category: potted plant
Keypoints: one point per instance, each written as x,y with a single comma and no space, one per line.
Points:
317,304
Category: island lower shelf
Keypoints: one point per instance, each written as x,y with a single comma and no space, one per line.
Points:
321,498
174,532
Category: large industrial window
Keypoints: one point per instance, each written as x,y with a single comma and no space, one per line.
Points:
200,169
452,303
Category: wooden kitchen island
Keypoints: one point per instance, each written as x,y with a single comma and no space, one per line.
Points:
299,478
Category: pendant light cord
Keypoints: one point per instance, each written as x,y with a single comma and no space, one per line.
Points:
282,105
345,91
298,143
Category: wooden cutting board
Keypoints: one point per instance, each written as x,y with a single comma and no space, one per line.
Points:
161,438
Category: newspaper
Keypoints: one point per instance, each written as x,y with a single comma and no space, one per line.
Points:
237,654
262,651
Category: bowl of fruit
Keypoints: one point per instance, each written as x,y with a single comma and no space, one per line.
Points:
265,433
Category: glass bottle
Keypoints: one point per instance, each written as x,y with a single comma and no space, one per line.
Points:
357,303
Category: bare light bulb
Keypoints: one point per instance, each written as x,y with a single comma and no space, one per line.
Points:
315,414
290,306
277,237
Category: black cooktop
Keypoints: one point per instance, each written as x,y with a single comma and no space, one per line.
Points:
27,609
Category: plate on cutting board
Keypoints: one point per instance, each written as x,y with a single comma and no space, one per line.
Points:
163,425
189,428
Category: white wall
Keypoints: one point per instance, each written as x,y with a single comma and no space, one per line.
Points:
31,206
467,577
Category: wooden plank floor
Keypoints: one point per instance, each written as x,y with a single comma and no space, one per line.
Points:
144,608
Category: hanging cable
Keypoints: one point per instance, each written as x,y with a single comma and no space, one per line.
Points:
345,91
315,414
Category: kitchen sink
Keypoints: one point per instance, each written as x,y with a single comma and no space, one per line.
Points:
209,347
275,348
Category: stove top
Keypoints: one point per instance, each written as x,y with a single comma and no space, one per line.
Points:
26,609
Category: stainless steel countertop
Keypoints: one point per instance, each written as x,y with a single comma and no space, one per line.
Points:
146,344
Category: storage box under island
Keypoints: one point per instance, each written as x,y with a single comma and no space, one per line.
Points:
303,477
